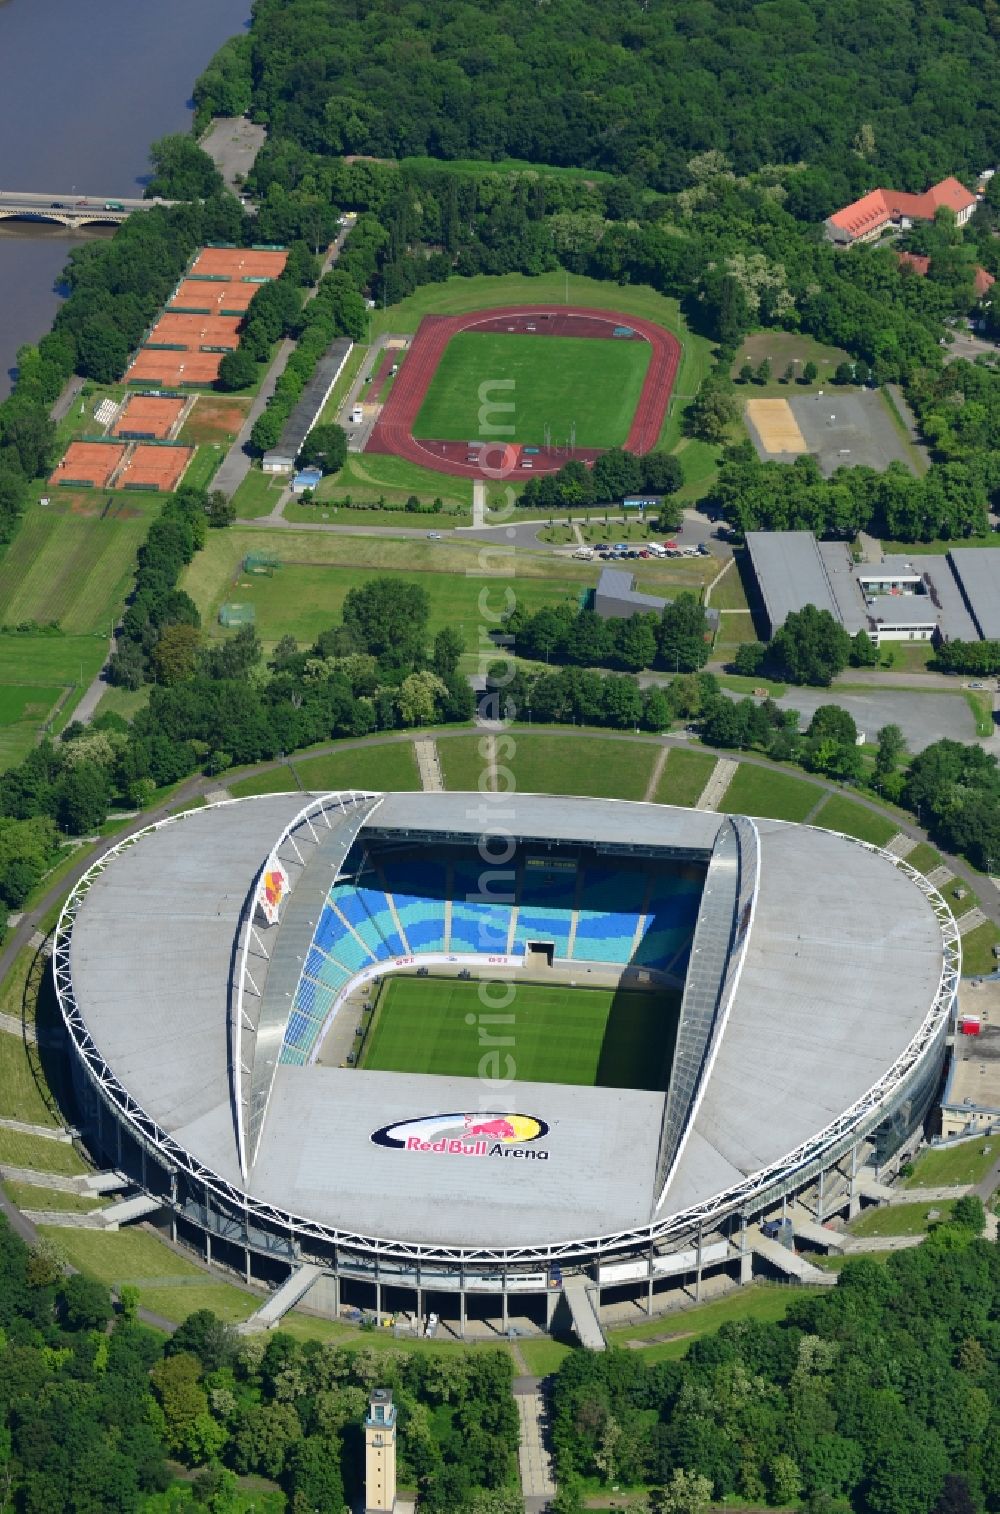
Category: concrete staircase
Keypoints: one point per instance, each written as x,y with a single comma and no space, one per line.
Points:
788,1262
576,1288
273,1309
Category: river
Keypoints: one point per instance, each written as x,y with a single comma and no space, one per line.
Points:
85,87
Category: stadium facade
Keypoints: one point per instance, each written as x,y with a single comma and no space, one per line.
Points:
210,969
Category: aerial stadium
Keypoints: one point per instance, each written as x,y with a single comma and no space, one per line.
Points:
490,1056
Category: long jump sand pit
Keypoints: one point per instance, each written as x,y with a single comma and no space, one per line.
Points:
160,468
776,430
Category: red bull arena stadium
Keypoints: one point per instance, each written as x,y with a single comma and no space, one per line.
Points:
479,1059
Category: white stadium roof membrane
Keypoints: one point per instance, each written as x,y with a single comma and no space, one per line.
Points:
840,972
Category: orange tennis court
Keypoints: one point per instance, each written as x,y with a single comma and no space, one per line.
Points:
170,368
202,298
194,331
88,463
155,468
148,415
238,263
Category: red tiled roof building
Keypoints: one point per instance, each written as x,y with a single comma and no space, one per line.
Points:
868,217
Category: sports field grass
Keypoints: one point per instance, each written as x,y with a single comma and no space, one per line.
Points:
561,1034
305,595
557,288
69,569
772,795
36,672
549,381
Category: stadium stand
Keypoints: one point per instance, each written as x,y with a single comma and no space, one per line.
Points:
596,914
418,891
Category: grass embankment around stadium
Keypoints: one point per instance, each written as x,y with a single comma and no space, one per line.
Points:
557,382
559,1034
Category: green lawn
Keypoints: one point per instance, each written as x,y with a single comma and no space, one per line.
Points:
544,1356
671,1336
279,780
121,1256
684,777
924,857
388,765
32,1196
72,569
782,348
124,702
225,1301
840,814
555,763
562,1035
21,1098
40,1154
550,381
36,672
258,494
967,1163
900,1219
306,594
372,476
977,950
772,795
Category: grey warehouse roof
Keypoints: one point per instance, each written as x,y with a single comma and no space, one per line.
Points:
977,570
790,573
843,960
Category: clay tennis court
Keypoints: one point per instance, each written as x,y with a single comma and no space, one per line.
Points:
148,415
90,463
193,331
155,468
393,431
171,368
776,426
204,297
238,263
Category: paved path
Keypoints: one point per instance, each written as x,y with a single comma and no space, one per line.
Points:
429,766
46,1132
534,1462
654,777
12,1026
719,780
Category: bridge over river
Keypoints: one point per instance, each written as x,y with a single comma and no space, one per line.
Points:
71,209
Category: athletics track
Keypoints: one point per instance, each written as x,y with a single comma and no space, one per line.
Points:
393,431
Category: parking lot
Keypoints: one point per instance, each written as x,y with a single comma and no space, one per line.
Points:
849,428
923,718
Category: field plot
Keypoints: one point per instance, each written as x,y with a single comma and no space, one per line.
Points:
564,1035
213,419
69,570
552,381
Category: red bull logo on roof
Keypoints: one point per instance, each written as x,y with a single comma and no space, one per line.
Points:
467,1135
273,888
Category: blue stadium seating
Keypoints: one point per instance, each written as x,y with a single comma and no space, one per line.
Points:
419,891
670,920
346,898
477,926
377,907
543,925
604,937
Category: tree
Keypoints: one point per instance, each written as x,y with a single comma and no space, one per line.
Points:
82,799
844,373
311,1476
206,1337
419,696
448,648
221,511
711,412
617,473
86,1303
811,647
182,171
662,473
810,373
388,618
864,652
176,653
176,1383
830,722
749,659
891,747
325,447
763,374
266,430
969,1213
236,371
682,635
746,372
686,1493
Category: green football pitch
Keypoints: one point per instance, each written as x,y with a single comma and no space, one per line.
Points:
557,1034
553,381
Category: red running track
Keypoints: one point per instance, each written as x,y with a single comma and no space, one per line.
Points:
393,431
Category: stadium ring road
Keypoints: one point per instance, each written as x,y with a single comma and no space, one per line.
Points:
206,966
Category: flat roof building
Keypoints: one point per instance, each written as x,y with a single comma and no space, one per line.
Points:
977,573
309,407
617,598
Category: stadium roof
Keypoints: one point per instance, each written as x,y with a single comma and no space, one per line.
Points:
843,958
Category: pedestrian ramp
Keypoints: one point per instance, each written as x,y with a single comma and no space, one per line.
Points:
277,1305
581,1306
788,1262
808,1229
127,1210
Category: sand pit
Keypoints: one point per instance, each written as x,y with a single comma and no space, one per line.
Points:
776,427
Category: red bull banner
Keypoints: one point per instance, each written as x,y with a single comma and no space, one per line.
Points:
272,890
467,1135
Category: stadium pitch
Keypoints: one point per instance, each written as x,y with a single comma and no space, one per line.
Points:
550,381
556,1034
